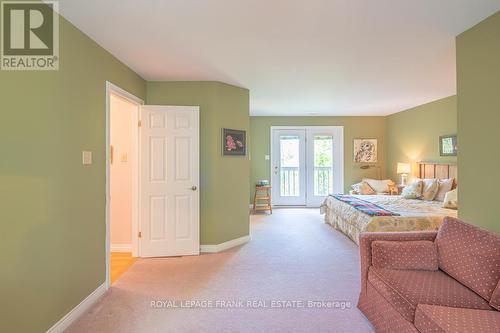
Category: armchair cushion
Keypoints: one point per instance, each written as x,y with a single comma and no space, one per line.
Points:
442,319
412,255
404,290
365,246
470,255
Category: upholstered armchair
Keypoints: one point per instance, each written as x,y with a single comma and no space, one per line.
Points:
444,281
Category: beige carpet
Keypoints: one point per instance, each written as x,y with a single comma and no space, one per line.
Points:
293,257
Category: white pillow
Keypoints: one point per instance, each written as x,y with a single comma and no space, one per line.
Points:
363,188
445,186
379,186
430,188
413,191
451,199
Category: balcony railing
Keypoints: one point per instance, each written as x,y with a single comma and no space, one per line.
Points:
323,181
290,183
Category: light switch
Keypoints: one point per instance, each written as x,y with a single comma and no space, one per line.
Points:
267,158
124,157
86,157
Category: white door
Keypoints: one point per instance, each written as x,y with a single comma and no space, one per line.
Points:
324,163
289,172
169,181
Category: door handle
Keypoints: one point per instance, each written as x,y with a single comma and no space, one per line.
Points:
193,188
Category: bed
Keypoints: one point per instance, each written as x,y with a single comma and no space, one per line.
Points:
413,215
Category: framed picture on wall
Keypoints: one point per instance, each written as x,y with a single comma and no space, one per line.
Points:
365,150
234,142
448,145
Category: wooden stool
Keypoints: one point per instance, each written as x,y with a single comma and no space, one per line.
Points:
262,196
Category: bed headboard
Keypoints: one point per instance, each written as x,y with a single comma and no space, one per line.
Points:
438,170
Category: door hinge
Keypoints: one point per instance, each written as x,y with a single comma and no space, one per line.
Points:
139,123
140,234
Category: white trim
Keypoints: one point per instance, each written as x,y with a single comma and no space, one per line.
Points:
111,88
338,155
121,248
78,310
224,246
341,156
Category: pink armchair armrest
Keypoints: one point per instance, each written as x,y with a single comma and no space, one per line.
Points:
365,246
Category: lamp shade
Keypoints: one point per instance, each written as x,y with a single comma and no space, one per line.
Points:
404,168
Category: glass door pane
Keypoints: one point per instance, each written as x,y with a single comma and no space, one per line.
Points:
289,165
323,165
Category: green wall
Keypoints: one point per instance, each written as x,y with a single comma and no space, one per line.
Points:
354,127
413,135
52,207
224,180
478,74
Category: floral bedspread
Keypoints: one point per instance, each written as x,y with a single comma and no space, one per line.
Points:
414,215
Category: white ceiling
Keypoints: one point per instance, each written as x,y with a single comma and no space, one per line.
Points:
297,57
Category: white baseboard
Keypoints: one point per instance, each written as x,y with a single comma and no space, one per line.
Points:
121,247
224,246
78,310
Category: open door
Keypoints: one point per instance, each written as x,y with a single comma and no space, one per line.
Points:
169,181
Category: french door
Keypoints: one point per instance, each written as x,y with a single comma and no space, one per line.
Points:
289,158
307,164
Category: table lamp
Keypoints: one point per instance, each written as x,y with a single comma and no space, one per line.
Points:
404,169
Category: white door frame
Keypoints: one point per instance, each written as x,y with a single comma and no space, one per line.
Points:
115,90
338,153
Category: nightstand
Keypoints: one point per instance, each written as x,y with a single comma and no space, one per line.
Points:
262,193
